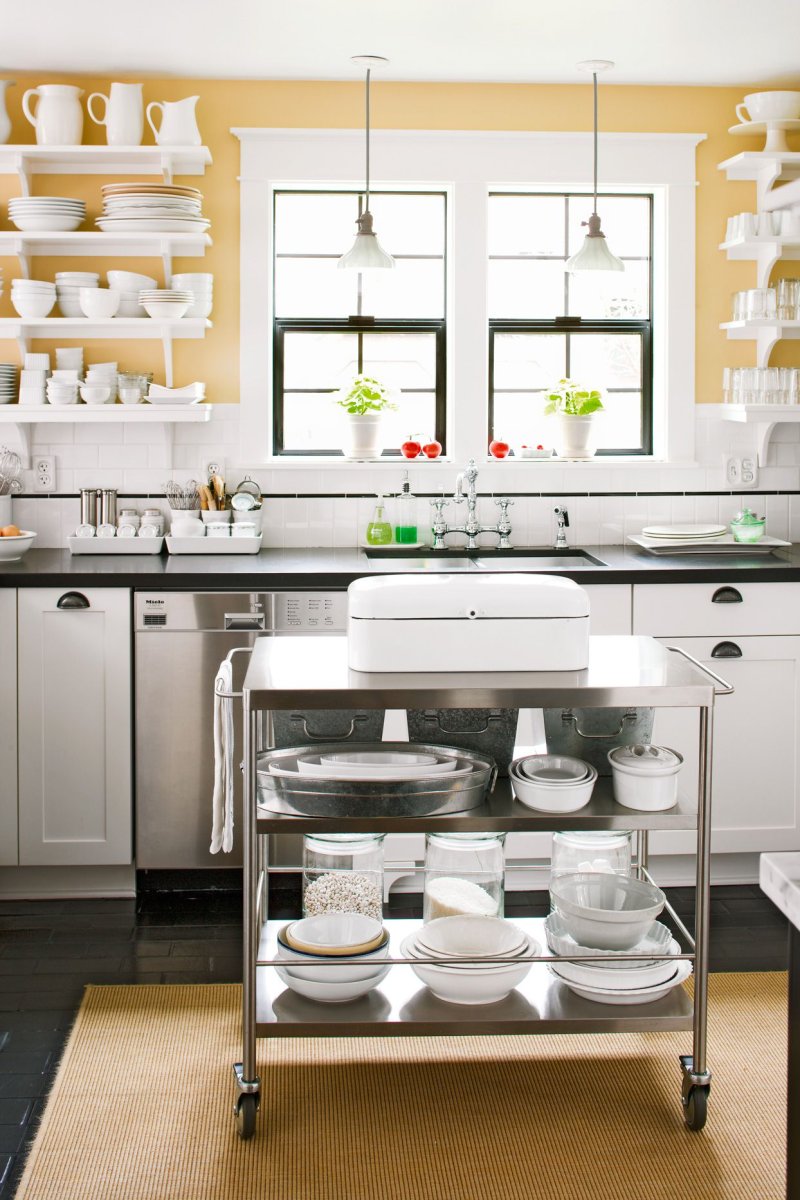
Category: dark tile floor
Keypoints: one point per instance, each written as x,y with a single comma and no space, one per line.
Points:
50,949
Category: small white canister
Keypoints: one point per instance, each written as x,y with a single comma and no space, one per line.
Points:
645,777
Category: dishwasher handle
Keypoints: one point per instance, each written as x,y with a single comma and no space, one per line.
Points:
245,621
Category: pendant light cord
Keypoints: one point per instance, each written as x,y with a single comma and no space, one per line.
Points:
366,207
594,78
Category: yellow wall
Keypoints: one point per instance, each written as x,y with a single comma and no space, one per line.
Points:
224,104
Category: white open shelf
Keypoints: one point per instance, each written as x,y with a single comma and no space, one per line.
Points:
765,333
164,161
22,418
764,251
763,418
756,165
165,246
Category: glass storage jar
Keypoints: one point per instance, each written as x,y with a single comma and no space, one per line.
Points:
343,872
464,874
591,850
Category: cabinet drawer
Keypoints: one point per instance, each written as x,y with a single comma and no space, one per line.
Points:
716,609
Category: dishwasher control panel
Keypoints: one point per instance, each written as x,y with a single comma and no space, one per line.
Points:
310,612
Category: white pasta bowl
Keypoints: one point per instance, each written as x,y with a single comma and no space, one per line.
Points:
32,306
606,911
13,548
330,993
327,968
166,309
335,933
466,985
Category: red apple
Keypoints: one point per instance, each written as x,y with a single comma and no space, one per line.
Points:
411,448
432,449
498,448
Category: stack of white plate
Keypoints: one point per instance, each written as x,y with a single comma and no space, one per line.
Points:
552,782
166,302
32,298
46,214
201,285
129,284
476,939
684,533
618,980
68,289
151,208
8,382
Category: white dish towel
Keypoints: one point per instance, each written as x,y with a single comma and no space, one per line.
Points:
222,802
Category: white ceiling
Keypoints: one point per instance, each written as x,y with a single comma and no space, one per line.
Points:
715,42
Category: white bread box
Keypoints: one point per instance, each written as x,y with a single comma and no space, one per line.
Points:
467,622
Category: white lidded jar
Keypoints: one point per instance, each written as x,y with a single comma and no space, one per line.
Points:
464,875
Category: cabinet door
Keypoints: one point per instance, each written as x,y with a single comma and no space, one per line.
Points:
755,797
74,727
8,727
610,607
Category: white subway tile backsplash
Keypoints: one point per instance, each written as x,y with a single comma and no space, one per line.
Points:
777,514
123,456
91,431
273,524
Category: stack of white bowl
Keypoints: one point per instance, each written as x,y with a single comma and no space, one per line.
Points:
313,951
201,285
129,285
102,375
552,782
69,358
62,388
8,382
98,303
166,302
46,214
32,298
68,288
599,912
477,939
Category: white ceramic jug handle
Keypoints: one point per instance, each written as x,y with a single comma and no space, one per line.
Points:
742,114
26,106
154,104
98,120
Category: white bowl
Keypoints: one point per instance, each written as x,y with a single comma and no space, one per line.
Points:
656,942
195,281
99,303
129,281
645,785
471,935
13,548
552,768
326,968
330,993
200,308
62,401
464,986
606,911
33,307
130,308
94,394
551,797
166,309
70,308
334,932
31,222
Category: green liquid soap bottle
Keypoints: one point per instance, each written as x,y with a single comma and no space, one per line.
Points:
379,530
405,531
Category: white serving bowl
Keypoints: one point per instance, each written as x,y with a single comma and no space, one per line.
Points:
334,933
94,394
552,768
330,993
129,281
656,942
13,548
553,797
327,968
34,306
130,308
466,936
194,281
604,910
646,995
465,985
647,781
166,309
57,222
99,303
618,972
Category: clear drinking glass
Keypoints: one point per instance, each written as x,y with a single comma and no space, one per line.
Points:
788,299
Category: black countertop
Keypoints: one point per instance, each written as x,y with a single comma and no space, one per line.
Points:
329,568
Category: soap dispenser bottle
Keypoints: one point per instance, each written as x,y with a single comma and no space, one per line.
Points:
379,530
405,531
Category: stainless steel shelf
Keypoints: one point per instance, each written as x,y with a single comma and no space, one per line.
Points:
502,812
402,1006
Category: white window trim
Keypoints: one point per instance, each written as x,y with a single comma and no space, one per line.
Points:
468,165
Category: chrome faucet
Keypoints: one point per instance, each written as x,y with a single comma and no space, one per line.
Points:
472,526
562,524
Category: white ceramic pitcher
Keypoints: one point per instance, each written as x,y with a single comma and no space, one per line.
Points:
58,120
178,122
5,120
123,114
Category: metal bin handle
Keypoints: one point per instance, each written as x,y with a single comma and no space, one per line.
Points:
726,689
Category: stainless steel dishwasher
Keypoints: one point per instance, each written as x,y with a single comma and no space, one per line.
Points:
181,638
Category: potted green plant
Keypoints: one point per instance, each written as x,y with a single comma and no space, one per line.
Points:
575,408
364,401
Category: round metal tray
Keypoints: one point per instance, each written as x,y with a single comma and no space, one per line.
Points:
308,797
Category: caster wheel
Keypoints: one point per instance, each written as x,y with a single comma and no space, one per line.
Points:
245,1109
695,1108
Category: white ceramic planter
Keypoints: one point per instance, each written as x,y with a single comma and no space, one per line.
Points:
576,437
363,435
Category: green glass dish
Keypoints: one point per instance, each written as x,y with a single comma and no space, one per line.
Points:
746,527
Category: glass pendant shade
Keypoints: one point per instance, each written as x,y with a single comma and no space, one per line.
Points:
594,254
366,253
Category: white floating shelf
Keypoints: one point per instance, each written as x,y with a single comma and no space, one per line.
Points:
763,417
751,249
765,333
107,327
166,161
756,165
165,246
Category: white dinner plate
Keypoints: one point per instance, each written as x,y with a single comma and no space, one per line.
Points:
150,225
684,531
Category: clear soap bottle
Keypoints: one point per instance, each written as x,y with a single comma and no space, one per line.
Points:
379,530
405,530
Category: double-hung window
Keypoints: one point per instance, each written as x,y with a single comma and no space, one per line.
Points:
330,325
545,324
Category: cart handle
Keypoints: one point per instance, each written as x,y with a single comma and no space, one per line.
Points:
727,689
229,658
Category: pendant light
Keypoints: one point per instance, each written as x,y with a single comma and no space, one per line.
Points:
594,254
366,253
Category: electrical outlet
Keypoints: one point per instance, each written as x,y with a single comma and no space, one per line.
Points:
214,466
741,472
749,471
44,473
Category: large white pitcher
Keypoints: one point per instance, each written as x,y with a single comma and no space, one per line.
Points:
5,120
58,120
178,122
123,114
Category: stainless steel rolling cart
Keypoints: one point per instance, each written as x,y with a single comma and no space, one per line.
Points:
312,673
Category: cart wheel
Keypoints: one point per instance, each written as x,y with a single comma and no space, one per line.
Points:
246,1109
695,1108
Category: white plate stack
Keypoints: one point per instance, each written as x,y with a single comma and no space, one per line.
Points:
46,214
32,299
68,288
171,303
201,285
8,382
151,208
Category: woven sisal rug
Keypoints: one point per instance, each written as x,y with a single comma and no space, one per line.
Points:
141,1109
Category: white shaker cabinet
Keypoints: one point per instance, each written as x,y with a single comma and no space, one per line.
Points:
75,764
8,727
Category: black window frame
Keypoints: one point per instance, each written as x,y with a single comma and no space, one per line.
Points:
358,324
569,325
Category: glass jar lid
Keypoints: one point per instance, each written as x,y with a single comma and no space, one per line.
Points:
747,517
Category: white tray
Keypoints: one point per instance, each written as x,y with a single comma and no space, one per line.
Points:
717,545
214,545
96,545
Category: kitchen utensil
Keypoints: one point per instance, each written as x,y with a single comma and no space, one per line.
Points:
58,119
645,776
10,467
182,495
178,125
107,507
89,498
123,113
605,911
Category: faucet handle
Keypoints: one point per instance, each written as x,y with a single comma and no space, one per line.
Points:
504,503
438,503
